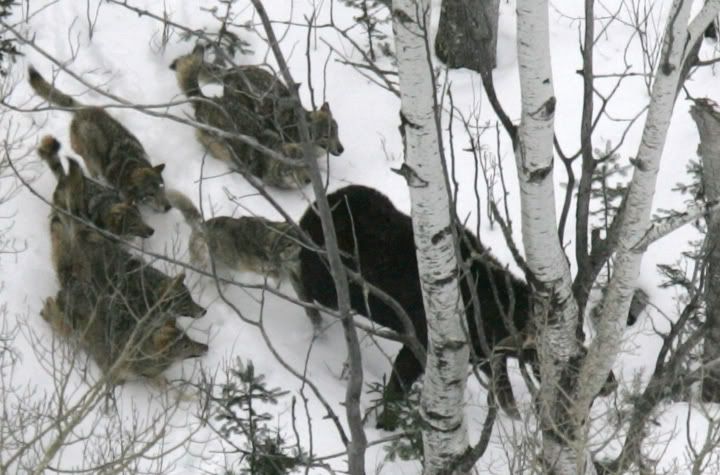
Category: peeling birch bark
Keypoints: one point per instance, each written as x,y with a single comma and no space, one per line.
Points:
445,433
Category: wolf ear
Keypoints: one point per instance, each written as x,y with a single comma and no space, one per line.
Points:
325,107
177,281
174,284
159,168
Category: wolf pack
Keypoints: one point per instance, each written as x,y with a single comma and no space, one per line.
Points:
123,311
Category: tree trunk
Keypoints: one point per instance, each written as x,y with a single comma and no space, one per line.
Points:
637,205
358,442
638,202
707,117
444,432
554,309
467,34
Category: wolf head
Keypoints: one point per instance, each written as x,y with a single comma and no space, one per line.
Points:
173,343
324,130
124,219
147,187
178,300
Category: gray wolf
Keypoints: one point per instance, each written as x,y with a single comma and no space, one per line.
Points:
257,117
82,254
246,244
108,148
125,345
118,308
106,207
262,91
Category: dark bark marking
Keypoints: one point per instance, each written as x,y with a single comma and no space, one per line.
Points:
411,177
639,164
445,280
404,121
540,174
550,106
440,417
437,237
546,110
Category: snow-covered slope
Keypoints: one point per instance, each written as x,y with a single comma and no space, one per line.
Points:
126,58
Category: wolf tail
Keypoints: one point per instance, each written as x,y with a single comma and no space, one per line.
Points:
191,214
48,151
48,92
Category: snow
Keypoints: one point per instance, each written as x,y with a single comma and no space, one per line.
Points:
126,58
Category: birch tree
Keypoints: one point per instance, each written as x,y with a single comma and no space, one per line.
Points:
570,381
445,432
555,310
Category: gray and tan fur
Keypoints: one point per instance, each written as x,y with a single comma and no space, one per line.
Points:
263,92
254,113
108,148
124,345
269,97
82,254
105,207
119,309
246,244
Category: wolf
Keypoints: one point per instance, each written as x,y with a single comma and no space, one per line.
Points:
376,240
262,91
246,244
108,148
237,113
119,309
82,254
88,258
106,207
125,345
120,317
147,288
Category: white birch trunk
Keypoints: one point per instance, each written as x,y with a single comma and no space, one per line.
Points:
567,454
556,320
638,203
445,432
